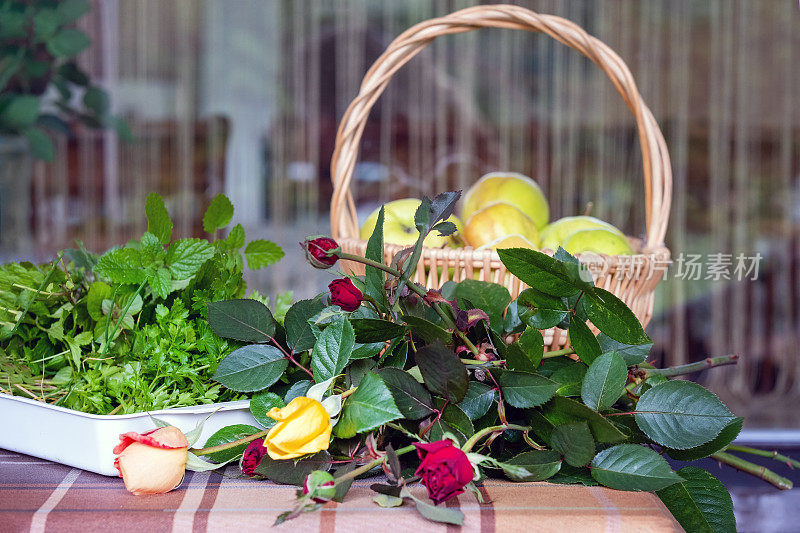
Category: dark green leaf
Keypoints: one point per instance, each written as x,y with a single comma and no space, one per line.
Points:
583,341
427,331
21,111
725,437
374,277
539,310
396,355
632,467
633,354
332,350
681,414
562,410
454,417
251,368
245,320
366,351
376,330
442,371
260,405
539,464
524,390
343,486
226,435
72,10
97,100
299,388
613,317
516,359
369,407
570,377
700,503
491,298
539,271
478,400
574,442
570,475
261,253
299,334
218,215
68,43
41,145
158,221
289,472
410,397
604,382
532,345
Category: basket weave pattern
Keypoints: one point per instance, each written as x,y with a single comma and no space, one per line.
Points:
633,278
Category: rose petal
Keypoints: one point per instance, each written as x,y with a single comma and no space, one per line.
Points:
166,437
147,469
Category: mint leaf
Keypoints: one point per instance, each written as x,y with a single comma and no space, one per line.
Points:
261,253
235,238
121,265
219,214
158,221
161,282
186,256
369,407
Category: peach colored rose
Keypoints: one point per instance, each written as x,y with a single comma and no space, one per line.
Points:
152,462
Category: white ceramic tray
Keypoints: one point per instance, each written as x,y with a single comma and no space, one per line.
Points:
86,441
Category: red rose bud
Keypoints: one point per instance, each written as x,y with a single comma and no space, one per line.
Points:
345,294
444,470
319,251
320,485
252,456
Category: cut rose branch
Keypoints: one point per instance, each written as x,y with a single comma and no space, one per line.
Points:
382,377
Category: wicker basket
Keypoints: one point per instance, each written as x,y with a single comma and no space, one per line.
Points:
631,278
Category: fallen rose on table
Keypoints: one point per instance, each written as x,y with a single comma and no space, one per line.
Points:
352,382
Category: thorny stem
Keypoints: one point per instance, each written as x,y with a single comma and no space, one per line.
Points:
418,290
228,445
369,466
486,431
788,461
292,359
681,370
758,471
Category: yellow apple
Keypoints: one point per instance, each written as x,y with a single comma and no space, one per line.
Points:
509,241
509,187
597,240
399,228
496,222
554,234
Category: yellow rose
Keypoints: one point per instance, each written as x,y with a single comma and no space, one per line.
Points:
303,427
152,462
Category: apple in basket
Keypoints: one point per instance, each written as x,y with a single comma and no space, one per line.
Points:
399,228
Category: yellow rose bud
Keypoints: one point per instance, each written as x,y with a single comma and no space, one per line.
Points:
303,427
152,462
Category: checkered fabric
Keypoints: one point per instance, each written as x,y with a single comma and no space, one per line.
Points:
37,495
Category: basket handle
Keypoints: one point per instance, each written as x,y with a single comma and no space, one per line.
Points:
657,170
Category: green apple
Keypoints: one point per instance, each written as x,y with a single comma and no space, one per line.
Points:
598,241
553,234
496,222
399,228
509,187
509,241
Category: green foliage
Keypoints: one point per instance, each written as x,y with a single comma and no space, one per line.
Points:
125,331
574,442
369,407
229,434
632,467
700,502
251,368
604,381
39,42
332,350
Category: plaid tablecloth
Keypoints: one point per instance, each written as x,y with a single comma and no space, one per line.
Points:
37,495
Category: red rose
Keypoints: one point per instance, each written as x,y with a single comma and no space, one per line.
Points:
345,294
444,469
252,456
318,251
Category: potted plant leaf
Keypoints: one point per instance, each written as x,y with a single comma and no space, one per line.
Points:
42,91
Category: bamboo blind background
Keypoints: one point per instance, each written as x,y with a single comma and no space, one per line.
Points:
244,97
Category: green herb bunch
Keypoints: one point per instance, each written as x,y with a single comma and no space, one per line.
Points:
126,331
413,368
39,41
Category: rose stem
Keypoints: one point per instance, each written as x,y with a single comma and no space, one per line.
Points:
486,431
228,445
788,461
414,287
558,353
681,370
759,471
482,363
292,359
372,464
